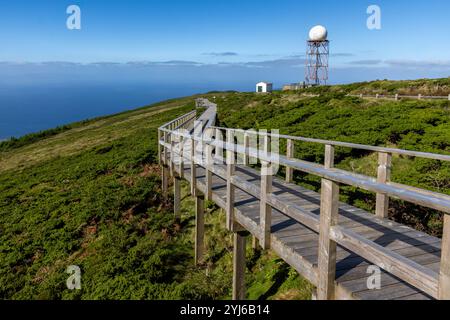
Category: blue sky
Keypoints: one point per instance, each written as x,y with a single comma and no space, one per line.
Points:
214,40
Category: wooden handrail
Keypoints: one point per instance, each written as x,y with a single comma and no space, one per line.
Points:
165,126
330,232
417,154
417,196
407,270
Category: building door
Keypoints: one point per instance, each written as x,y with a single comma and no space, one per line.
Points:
260,89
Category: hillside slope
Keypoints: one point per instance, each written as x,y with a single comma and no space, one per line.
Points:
88,194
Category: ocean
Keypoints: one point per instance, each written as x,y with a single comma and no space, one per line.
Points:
31,108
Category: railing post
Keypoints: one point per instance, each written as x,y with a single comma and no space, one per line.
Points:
193,168
290,155
329,211
159,147
181,143
230,187
444,273
172,155
165,173
246,147
209,175
419,97
396,97
266,189
199,228
384,175
239,250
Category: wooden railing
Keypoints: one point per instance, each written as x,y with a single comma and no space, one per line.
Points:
330,232
398,96
165,134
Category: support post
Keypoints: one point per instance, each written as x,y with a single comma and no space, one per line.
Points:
329,211
199,228
181,165
444,273
231,168
177,198
420,97
396,97
290,155
193,168
254,243
266,189
239,265
165,173
166,155
209,175
172,156
159,147
246,147
384,175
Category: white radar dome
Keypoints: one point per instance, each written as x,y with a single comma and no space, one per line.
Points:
318,33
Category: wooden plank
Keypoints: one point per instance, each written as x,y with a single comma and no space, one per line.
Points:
444,273
199,228
329,211
349,272
358,285
413,273
297,262
384,175
239,250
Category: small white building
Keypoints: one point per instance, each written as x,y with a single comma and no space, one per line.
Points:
264,87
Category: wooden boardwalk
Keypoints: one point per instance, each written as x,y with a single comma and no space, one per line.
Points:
340,255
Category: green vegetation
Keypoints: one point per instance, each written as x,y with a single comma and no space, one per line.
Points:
427,87
409,124
88,194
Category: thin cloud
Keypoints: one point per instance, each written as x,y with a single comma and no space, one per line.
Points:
366,62
288,62
221,54
342,54
164,63
418,63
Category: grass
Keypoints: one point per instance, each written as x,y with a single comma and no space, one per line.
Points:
89,195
